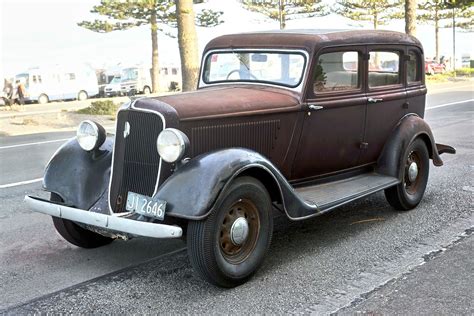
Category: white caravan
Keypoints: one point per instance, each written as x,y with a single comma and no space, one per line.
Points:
59,83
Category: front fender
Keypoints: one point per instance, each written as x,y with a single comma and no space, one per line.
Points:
79,177
410,127
195,188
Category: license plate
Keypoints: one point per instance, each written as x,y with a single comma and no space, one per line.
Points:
145,205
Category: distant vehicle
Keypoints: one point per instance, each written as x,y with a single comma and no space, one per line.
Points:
432,67
135,80
58,83
170,77
114,87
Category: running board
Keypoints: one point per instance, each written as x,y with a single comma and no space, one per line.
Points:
329,195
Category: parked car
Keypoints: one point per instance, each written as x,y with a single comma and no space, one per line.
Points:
288,121
432,67
114,87
59,83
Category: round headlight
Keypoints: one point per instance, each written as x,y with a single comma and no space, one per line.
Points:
90,135
171,144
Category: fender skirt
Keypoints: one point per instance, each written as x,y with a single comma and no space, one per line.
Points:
79,177
193,191
410,127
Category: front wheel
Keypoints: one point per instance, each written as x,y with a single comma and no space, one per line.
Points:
414,174
146,90
43,99
228,246
75,234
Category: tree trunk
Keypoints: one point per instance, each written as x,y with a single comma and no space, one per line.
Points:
410,17
436,33
375,20
282,14
155,67
188,46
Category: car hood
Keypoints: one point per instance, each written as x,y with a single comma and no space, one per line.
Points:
230,101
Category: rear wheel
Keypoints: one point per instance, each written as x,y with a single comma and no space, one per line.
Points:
75,234
82,95
43,99
415,170
146,90
228,247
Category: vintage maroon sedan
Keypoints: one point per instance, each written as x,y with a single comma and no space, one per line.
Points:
298,122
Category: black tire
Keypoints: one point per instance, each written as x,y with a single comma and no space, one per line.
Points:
43,99
146,90
211,250
82,95
75,234
408,194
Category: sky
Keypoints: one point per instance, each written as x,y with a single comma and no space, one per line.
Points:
45,32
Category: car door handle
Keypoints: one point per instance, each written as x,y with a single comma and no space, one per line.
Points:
372,100
314,107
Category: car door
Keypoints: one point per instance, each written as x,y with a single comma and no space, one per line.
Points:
333,126
386,97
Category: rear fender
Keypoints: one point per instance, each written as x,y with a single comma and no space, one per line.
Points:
410,127
79,177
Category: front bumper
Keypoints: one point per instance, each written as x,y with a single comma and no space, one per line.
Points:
109,222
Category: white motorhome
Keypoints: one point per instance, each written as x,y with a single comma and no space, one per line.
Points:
59,83
135,80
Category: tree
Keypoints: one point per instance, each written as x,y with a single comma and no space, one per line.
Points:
187,40
410,17
284,10
125,14
440,13
378,12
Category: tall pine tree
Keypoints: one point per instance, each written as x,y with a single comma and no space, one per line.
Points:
123,15
378,12
285,10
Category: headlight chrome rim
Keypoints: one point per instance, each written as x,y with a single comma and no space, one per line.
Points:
90,141
175,153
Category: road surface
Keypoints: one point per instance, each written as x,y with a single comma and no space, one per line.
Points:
334,263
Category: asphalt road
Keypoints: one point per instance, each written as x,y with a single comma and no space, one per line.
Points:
336,262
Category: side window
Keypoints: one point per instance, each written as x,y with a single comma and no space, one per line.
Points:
174,71
34,79
384,68
39,79
337,71
413,67
70,76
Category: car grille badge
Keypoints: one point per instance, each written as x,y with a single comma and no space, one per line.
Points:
126,130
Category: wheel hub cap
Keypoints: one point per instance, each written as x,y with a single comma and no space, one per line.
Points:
239,231
412,171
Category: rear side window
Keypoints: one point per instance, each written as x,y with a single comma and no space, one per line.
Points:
384,68
413,67
337,71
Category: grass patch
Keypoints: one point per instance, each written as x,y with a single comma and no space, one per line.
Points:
449,75
106,107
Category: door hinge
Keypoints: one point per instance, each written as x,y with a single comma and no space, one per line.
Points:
364,145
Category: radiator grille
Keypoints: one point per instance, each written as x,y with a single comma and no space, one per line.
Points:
136,164
259,136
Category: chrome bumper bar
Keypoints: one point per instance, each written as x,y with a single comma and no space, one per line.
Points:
112,222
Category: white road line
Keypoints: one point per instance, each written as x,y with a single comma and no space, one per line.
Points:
448,104
10,185
37,143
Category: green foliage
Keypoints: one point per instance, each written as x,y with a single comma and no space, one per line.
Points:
106,107
207,18
284,10
449,75
441,12
123,15
378,12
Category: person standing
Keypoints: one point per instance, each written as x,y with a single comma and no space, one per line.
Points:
21,92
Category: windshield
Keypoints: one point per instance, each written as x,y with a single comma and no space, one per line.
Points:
281,68
129,74
115,80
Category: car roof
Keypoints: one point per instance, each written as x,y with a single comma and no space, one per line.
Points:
310,39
